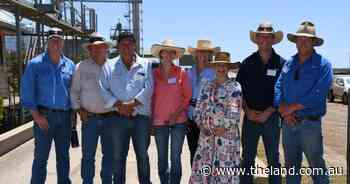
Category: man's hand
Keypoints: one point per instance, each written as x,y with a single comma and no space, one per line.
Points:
265,115
83,114
252,115
40,120
288,109
126,108
290,119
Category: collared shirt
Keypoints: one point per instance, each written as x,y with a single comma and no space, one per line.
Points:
258,80
120,84
310,88
85,90
207,74
170,95
46,84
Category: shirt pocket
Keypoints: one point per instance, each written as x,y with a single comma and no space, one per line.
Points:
138,80
66,77
90,81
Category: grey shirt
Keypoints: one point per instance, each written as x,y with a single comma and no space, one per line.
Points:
85,90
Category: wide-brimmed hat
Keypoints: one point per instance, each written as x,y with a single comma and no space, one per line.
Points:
203,45
96,39
306,29
55,32
167,45
224,58
266,27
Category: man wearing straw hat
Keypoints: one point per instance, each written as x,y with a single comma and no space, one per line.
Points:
203,53
45,92
258,75
127,86
88,102
300,94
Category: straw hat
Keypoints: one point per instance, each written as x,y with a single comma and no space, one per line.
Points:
167,45
306,29
96,39
204,45
225,58
266,27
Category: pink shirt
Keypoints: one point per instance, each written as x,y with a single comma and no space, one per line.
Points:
170,95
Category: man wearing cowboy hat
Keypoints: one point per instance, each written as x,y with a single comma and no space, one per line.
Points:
300,94
257,75
45,92
127,86
88,102
200,71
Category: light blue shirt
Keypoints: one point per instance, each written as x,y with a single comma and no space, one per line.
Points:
207,74
120,84
46,84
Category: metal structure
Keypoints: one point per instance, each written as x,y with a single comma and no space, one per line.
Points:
135,14
58,13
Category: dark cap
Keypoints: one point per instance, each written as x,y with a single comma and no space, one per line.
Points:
55,32
124,35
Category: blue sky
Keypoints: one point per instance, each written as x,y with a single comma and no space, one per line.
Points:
227,23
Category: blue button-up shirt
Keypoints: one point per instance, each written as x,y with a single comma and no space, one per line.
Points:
47,84
206,74
120,84
309,89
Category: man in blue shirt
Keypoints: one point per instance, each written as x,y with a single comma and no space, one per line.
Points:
257,76
300,94
45,92
127,86
200,71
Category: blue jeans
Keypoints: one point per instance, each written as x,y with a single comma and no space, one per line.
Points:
138,129
305,137
59,131
270,132
177,133
92,129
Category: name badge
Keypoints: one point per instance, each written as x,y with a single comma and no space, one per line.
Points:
172,80
271,72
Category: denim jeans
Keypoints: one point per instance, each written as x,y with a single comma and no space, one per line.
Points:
138,129
92,129
270,132
59,131
304,137
177,136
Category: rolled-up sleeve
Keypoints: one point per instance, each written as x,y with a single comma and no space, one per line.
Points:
320,90
28,96
75,91
105,87
145,94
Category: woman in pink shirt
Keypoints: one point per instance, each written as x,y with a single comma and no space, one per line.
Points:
172,93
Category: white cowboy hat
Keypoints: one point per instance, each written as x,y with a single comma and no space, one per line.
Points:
266,27
167,45
306,29
96,39
204,45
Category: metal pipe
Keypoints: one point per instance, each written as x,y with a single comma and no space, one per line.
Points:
20,62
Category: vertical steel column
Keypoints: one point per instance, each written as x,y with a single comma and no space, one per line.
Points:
20,63
136,23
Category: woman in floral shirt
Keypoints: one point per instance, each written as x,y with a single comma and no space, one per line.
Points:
217,114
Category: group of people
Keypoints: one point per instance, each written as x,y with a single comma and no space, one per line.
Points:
128,97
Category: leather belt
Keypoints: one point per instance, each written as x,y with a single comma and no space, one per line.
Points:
103,115
308,118
43,109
